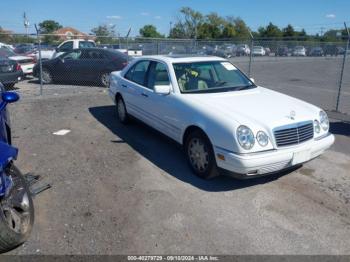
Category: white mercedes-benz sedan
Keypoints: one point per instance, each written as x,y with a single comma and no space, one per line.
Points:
220,116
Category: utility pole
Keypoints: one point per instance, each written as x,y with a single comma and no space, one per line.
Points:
343,66
26,22
321,31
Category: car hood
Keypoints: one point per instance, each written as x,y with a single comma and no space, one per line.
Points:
257,106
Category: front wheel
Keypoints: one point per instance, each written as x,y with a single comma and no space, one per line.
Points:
46,76
200,155
16,212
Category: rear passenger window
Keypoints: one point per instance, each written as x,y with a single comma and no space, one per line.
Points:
138,72
158,75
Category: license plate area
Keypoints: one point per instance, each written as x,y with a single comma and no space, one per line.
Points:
301,156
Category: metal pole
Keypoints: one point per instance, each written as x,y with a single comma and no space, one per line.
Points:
342,68
40,61
251,54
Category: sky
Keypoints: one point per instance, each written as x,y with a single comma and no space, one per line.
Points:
313,15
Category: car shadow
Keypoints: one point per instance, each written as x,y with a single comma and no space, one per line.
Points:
340,128
167,154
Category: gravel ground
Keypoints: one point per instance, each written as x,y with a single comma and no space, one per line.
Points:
127,189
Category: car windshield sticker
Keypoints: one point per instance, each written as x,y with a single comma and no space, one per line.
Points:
229,66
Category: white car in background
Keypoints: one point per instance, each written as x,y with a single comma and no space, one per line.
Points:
26,62
258,51
222,119
299,51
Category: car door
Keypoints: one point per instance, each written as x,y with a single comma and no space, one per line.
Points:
67,66
161,109
133,87
92,64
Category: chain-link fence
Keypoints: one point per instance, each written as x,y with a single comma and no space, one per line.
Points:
318,72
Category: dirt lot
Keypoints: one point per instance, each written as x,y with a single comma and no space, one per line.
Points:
127,189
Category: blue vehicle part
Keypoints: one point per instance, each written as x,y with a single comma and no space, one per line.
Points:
7,154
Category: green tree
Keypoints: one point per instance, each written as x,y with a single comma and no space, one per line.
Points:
242,30
229,31
187,24
48,27
289,31
150,31
104,34
270,30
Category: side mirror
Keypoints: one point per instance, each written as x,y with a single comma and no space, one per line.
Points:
9,97
252,79
162,89
57,49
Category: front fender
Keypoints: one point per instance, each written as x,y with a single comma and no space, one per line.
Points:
7,153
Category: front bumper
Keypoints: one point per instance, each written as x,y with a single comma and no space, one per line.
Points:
261,163
27,68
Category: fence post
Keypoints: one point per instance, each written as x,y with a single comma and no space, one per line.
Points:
342,68
251,54
40,61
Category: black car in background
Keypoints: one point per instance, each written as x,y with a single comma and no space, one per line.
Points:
84,65
282,51
10,72
333,50
316,51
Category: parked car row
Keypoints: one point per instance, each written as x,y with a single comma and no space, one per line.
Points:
331,50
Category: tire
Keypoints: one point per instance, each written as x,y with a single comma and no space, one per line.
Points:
12,233
104,79
46,76
200,155
122,113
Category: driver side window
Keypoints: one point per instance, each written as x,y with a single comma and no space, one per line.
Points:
66,47
74,55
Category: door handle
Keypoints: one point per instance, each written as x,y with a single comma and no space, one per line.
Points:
144,94
124,86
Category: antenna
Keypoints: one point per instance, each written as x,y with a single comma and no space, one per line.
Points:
25,22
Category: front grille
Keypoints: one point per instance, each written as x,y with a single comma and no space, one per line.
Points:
294,134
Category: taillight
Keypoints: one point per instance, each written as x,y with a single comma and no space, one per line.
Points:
18,67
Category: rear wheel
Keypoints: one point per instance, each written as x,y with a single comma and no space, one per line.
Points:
200,155
104,79
16,212
121,111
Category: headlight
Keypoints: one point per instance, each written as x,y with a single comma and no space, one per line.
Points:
245,137
262,138
317,126
324,120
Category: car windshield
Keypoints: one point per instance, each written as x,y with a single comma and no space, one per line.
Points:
6,52
86,44
211,76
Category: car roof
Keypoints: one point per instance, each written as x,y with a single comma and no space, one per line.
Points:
182,58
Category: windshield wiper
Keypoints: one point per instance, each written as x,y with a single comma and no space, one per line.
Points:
238,88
